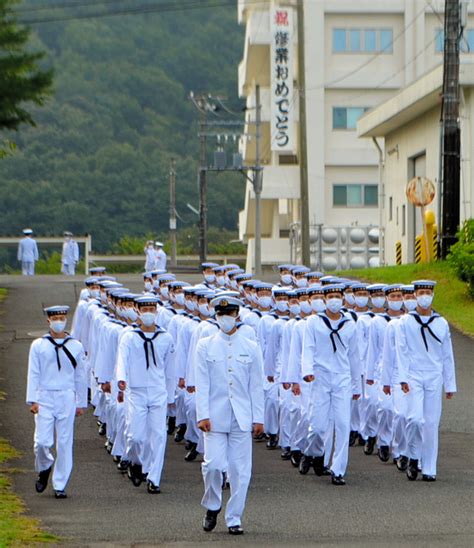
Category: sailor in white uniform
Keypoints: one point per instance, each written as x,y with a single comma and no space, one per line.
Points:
229,406
28,253
56,393
70,255
425,364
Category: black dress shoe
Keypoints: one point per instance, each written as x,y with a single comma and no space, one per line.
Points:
171,425
353,437
210,520
135,474
369,445
60,494
152,488
123,466
361,440
116,459
272,442
305,464
426,477
412,469
109,446
384,453
295,458
236,530
102,429
42,481
337,480
144,477
402,463
179,436
318,465
188,444
260,437
192,453
326,471
285,453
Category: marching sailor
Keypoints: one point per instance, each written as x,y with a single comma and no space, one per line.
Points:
70,255
27,253
56,394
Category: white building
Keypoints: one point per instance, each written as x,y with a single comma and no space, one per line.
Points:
409,123
358,54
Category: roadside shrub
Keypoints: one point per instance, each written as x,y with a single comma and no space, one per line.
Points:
461,255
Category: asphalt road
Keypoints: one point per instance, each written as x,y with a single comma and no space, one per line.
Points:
377,507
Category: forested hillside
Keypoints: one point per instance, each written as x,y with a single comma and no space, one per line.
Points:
98,159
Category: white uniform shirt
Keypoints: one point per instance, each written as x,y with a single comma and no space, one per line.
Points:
70,254
229,381
160,260
44,373
27,250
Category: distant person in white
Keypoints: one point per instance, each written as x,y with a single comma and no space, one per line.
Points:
150,256
27,253
160,257
70,255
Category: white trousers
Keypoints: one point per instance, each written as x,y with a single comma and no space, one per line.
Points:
68,269
399,444
180,410
272,407
28,268
385,415
424,404
332,398
193,434
146,430
369,421
229,452
57,410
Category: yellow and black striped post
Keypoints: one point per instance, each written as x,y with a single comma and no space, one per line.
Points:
398,252
435,243
419,249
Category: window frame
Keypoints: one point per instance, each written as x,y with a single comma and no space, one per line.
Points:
362,187
379,50
346,128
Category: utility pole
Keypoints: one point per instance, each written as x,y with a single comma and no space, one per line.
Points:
451,131
173,212
202,188
303,159
257,184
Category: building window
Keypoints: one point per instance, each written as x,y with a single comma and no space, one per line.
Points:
390,209
355,195
346,117
396,210
466,44
404,222
362,40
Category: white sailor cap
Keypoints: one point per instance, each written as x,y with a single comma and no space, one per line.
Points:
423,284
67,233
147,300
97,269
159,244
27,231
375,288
91,280
57,310
223,303
333,288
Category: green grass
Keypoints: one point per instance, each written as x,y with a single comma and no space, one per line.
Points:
16,529
451,295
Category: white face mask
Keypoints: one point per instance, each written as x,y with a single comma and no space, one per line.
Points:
361,301
334,305
226,323
350,299
301,282
378,302
148,286
318,305
103,297
131,314
265,301
305,307
165,292
147,318
295,309
220,280
286,279
424,301
57,326
395,305
233,284
156,284
190,305
204,309
210,278
410,304
94,293
281,306
180,298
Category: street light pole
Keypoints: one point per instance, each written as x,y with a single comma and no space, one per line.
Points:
173,212
257,185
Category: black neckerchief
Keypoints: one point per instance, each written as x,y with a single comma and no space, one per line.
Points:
352,314
426,326
334,332
61,346
148,342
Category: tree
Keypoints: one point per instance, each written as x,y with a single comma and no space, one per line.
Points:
22,81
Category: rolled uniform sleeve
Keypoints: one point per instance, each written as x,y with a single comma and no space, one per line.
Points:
122,360
33,374
449,374
309,349
256,387
202,383
80,380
